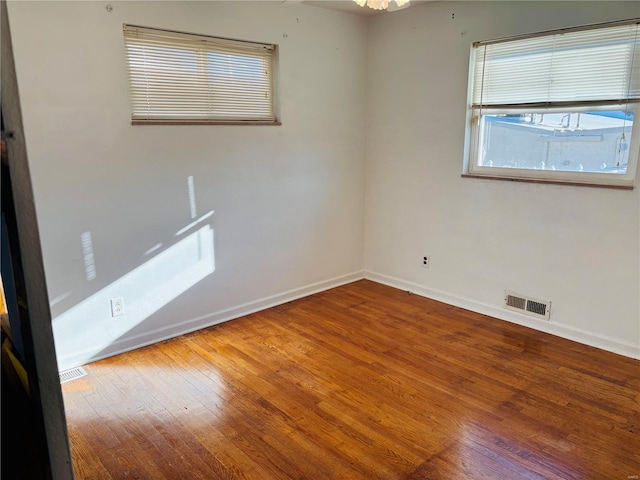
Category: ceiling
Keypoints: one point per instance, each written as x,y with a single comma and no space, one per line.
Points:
350,6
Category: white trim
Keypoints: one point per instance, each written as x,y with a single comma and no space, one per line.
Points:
603,342
571,333
475,125
496,84
187,326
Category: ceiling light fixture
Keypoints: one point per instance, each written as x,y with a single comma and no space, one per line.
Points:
380,4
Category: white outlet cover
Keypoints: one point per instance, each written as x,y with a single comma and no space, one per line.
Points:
117,307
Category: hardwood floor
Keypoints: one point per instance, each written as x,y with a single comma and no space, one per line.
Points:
360,382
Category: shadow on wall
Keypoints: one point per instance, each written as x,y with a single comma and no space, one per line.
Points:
89,327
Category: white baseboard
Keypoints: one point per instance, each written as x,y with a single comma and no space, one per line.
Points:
571,333
147,338
187,326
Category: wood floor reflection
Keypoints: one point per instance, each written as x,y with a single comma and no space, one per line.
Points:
360,382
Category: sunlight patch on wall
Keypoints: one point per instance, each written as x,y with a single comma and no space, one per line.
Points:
88,257
88,327
59,298
194,223
157,246
192,197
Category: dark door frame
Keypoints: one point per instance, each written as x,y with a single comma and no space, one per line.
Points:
35,316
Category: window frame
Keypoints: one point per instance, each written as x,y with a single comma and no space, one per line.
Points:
474,124
200,88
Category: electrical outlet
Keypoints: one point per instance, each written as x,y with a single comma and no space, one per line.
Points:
426,261
117,307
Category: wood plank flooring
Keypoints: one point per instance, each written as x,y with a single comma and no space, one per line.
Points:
360,382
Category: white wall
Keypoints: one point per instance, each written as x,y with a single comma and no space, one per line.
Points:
288,200
577,246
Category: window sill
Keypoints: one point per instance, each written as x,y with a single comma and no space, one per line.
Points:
205,122
551,182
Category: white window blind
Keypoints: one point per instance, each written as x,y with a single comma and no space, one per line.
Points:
185,78
593,66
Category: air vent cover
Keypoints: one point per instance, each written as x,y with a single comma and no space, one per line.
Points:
72,374
516,302
527,305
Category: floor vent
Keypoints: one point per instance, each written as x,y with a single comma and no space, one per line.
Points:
528,306
72,374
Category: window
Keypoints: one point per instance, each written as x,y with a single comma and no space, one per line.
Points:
557,107
183,78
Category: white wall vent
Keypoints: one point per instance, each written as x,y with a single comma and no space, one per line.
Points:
527,305
72,374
